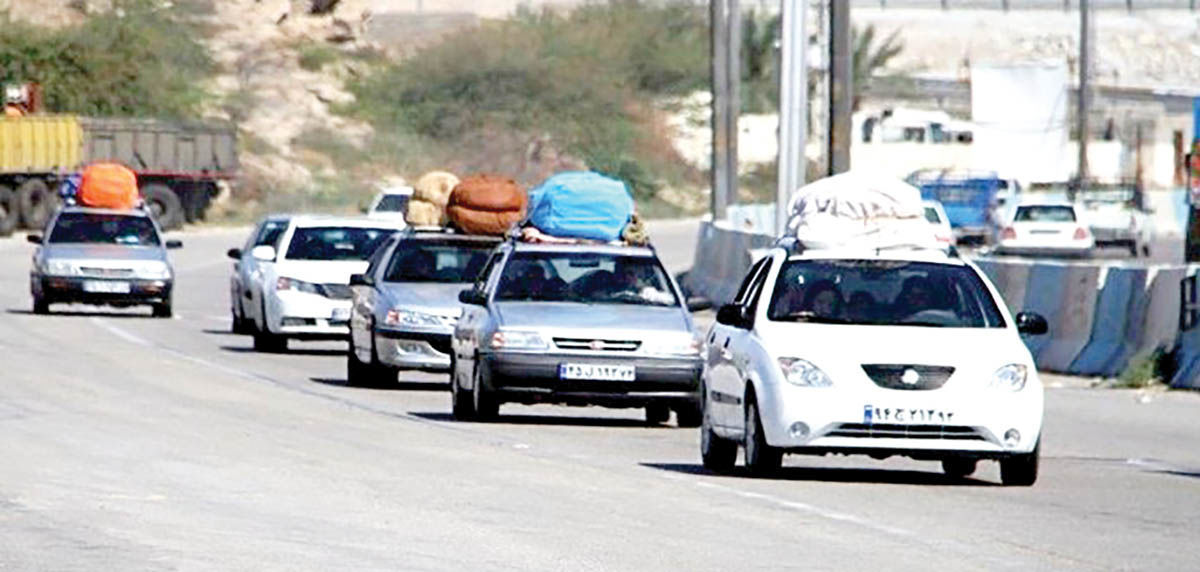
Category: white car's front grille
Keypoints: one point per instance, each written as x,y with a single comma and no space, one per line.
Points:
904,431
101,272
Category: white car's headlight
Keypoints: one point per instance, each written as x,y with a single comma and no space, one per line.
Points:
686,345
285,283
1011,377
59,268
153,271
518,340
803,373
402,317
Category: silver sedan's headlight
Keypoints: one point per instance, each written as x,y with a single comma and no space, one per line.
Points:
59,268
518,340
402,317
803,373
1011,377
675,345
153,271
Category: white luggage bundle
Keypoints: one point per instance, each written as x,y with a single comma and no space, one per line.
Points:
856,210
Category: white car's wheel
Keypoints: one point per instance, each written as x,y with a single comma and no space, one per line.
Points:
1021,470
485,404
958,467
761,458
718,453
462,404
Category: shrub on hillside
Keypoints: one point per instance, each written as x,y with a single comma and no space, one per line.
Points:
586,77
137,60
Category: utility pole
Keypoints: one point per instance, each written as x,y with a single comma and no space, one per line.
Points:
719,177
841,87
793,107
1083,107
726,37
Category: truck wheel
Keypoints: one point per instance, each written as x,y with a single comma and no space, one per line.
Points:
36,203
10,212
164,204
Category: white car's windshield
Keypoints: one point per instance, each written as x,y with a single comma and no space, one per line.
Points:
97,228
593,278
336,243
437,261
884,293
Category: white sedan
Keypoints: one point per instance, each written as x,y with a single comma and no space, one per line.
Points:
906,353
1046,228
302,289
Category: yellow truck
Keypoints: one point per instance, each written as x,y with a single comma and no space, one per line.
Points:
178,164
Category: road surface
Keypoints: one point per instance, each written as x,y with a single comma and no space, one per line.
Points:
133,443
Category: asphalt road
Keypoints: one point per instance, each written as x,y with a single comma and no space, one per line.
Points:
132,443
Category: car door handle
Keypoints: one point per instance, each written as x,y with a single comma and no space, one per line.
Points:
726,355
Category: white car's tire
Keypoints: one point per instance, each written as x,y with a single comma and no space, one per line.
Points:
717,453
761,458
1021,470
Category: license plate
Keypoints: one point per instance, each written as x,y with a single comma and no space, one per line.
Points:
906,415
106,287
596,372
340,314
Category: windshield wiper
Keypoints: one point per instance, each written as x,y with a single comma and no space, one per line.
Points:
924,324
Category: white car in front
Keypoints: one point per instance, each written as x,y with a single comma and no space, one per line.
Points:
908,354
1046,228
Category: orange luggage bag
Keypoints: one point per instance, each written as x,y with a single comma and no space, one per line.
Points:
108,186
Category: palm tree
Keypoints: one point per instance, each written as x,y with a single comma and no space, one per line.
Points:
868,58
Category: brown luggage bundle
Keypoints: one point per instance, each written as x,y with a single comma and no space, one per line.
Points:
487,204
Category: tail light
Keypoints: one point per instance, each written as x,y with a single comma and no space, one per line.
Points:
1008,233
1081,233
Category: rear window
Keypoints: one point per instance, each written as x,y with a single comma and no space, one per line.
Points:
1045,213
95,228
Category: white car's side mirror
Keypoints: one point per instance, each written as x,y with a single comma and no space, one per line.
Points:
265,253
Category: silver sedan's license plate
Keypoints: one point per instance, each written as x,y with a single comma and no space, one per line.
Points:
596,372
909,415
105,287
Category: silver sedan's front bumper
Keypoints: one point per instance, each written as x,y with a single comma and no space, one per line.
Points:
414,349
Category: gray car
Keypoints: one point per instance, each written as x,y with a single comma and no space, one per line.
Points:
576,325
406,303
100,256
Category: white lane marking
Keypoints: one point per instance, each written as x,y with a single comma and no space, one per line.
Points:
808,508
121,333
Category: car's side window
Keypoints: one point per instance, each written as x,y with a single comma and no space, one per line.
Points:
481,281
744,291
756,287
376,259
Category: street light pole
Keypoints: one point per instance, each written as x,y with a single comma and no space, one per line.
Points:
1084,94
793,108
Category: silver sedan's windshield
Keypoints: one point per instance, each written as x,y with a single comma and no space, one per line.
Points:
587,277
883,293
100,228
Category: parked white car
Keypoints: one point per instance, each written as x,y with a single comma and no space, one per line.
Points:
391,204
872,352
1046,228
301,290
1115,221
936,215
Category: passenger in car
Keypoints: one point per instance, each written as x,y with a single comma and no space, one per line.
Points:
862,307
916,295
824,299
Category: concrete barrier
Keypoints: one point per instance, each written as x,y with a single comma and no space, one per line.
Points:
1118,316
723,256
